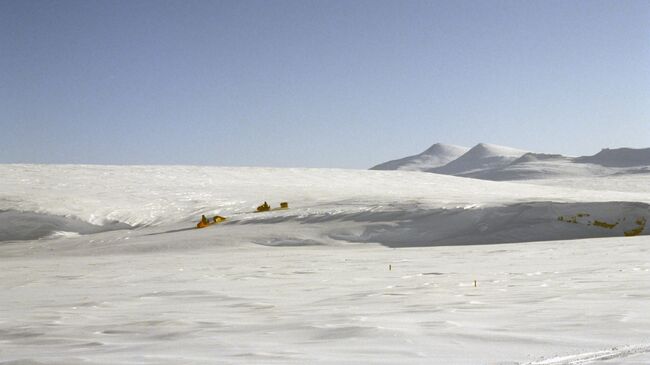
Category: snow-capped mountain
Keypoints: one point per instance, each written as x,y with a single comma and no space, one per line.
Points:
437,155
499,163
541,166
481,157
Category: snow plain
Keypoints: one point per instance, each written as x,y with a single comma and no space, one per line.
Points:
366,267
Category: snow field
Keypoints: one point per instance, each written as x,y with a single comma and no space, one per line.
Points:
237,302
113,197
341,277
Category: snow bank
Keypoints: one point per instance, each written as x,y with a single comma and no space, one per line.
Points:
410,226
16,225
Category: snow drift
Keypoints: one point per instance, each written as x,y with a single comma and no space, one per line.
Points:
16,225
410,225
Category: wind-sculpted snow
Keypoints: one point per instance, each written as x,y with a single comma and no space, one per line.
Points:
15,225
237,302
609,356
410,226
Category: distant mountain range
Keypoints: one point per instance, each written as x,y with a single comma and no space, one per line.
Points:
492,162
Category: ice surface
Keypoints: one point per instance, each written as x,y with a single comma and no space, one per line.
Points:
351,273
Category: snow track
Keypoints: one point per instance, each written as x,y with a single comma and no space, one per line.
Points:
596,356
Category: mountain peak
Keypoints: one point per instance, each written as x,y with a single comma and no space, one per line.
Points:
438,154
445,148
488,149
480,157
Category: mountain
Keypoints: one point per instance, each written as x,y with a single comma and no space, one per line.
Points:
541,166
481,157
491,162
619,157
437,155
538,157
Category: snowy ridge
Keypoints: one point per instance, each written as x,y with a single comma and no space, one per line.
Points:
619,157
412,226
542,166
17,225
623,161
498,163
481,157
537,157
41,200
437,155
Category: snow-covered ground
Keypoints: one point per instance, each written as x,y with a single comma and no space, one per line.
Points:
365,267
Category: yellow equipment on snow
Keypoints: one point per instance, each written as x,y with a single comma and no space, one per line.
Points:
205,222
264,207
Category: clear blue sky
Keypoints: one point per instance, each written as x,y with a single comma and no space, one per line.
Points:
317,83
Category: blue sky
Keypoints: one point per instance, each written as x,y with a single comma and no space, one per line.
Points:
317,83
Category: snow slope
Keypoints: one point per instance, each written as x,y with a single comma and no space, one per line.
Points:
115,197
481,157
327,281
437,155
